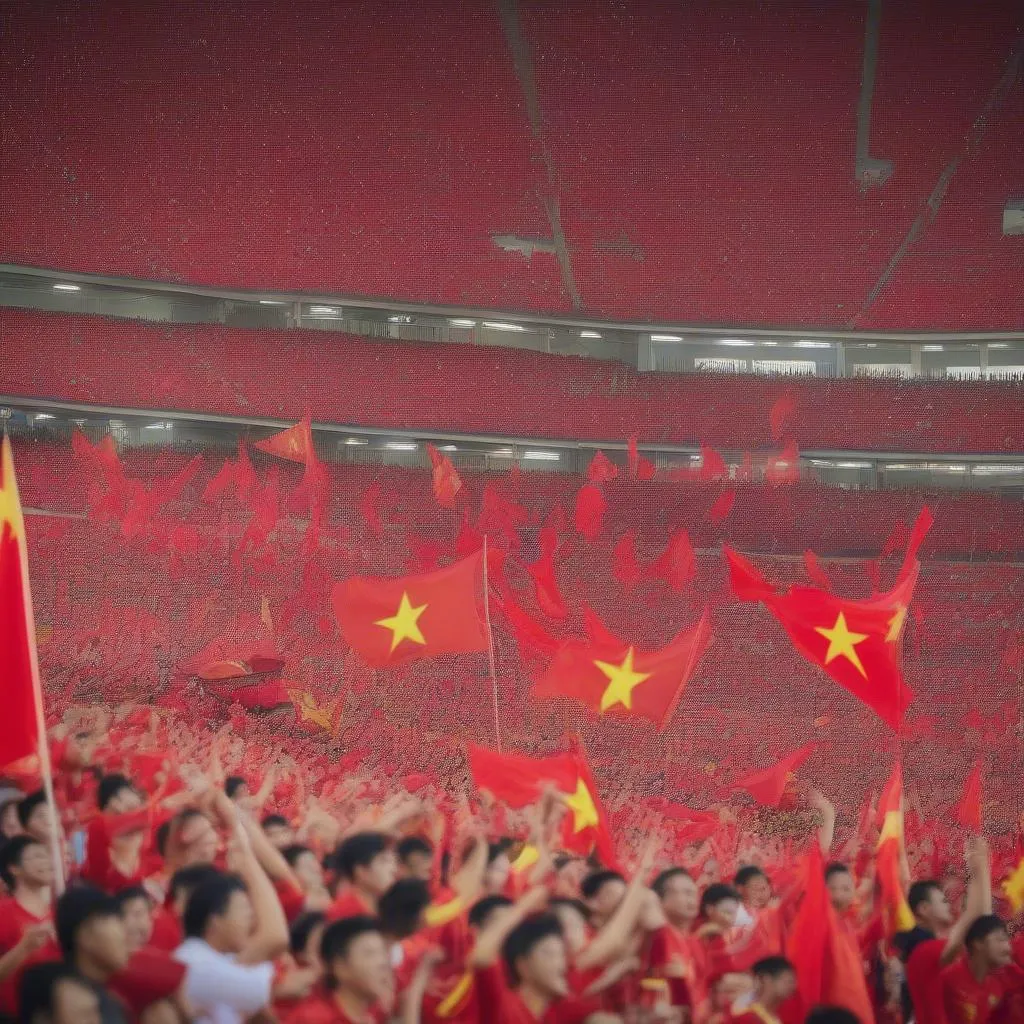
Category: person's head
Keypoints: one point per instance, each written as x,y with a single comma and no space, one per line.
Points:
196,836
929,905
415,858
720,904
535,956
602,891
34,816
841,890
485,910
679,896
753,886
9,824
367,861
401,908
303,861
116,794
304,938
724,988
184,881
91,932
832,1015
356,959
25,864
55,993
988,942
236,788
219,911
569,873
499,865
573,916
278,829
137,914
774,980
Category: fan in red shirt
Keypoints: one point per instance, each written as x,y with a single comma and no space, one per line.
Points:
761,933
774,984
676,954
367,865
719,906
975,984
26,917
358,981
116,836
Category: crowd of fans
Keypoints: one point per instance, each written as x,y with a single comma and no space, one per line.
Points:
183,899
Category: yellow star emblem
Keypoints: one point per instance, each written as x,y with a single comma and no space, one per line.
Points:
896,624
308,710
622,681
842,642
10,507
404,624
892,827
1013,887
584,811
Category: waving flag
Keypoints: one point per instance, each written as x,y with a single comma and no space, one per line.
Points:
295,444
896,913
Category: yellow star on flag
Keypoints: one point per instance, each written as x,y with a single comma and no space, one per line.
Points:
404,624
309,711
842,642
1013,887
622,681
892,827
10,507
581,803
896,624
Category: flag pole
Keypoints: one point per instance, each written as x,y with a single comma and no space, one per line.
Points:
45,767
490,650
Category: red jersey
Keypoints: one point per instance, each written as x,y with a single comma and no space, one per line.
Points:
970,1001
168,934
349,903
99,869
923,968
681,959
505,1007
149,976
763,937
15,920
291,897
320,1008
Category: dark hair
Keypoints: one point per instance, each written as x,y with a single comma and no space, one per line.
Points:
401,907
275,820
10,857
483,908
232,784
560,860
133,892
37,987
109,787
302,928
359,851
717,893
77,907
661,882
521,940
832,1015
982,928
921,892
414,844
835,868
578,905
160,838
597,880
209,899
747,874
294,852
188,878
339,936
772,967
28,804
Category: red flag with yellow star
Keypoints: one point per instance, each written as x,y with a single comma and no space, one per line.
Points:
896,914
19,671
856,642
518,781
611,676
393,620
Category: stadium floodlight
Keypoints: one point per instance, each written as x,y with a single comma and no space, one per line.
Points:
402,446
932,348
503,453
273,302
814,344
589,334
498,326
45,416
356,440
402,319
460,321
447,448
323,310
665,337
63,286
736,343
853,465
542,456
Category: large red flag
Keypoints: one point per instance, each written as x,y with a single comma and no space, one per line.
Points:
391,620
447,482
19,672
518,780
613,676
294,443
767,787
856,642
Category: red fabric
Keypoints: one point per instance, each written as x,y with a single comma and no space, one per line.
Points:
768,786
98,868
549,597
681,959
149,976
445,613
447,482
320,1008
677,564
896,915
168,934
15,920
291,897
295,444
967,1000
505,1007
857,643
626,566
601,469
968,810
18,731
588,672
923,970
349,903
590,508
720,510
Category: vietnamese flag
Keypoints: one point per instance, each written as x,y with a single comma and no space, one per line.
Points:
19,669
518,781
389,620
447,482
856,642
768,786
896,914
294,444
609,675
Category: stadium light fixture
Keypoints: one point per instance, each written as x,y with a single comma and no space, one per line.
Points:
402,446
589,334
542,456
853,465
813,344
447,448
462,322
272,302
932,348
996,470
323,310
403,319
503,453
356,440
67,287
736,343
45,416
998,344
498,326
665,337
